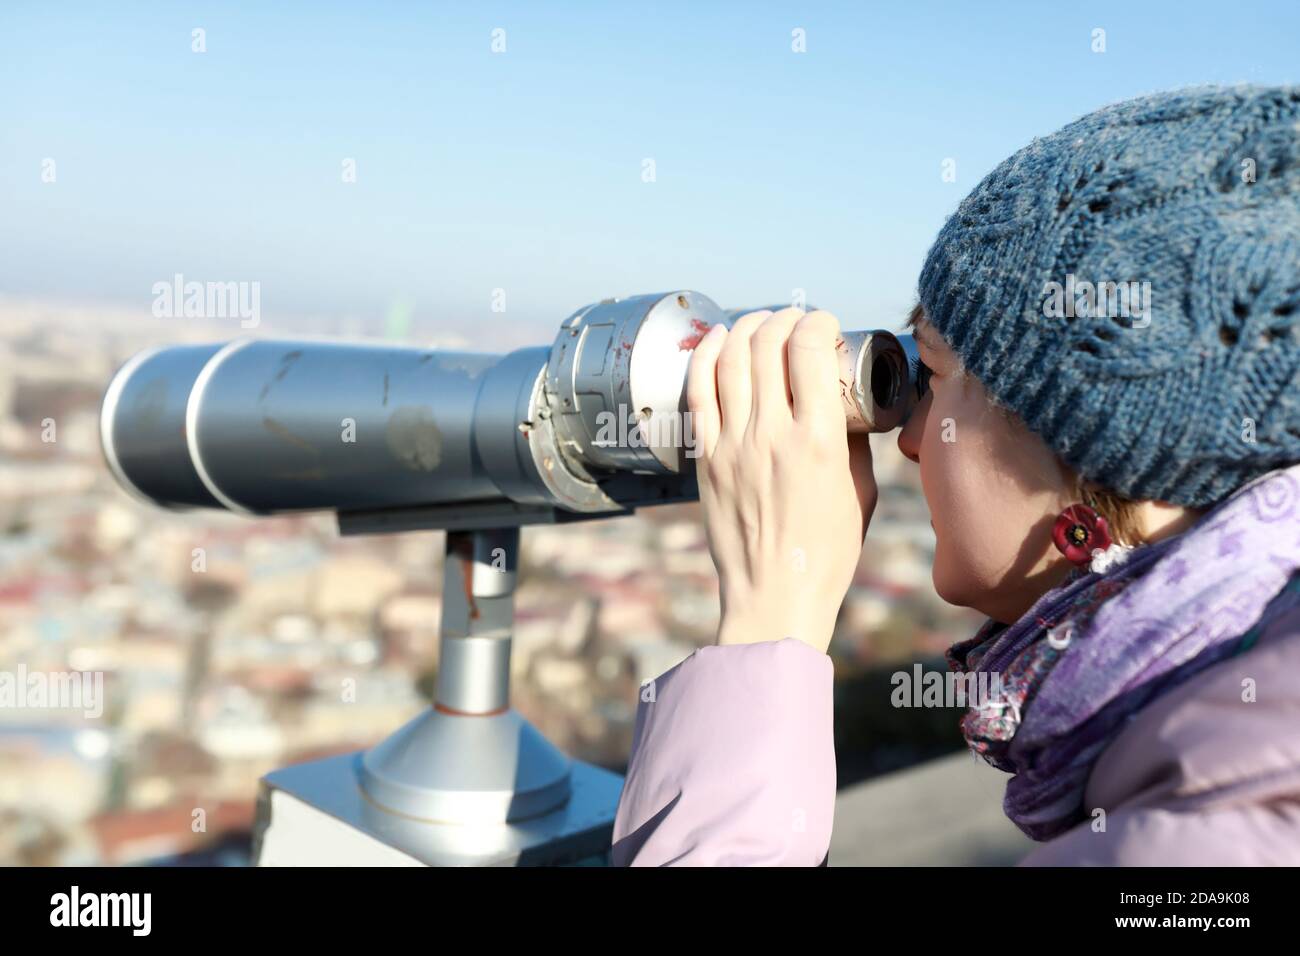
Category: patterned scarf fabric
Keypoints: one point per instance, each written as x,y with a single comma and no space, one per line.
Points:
1095,650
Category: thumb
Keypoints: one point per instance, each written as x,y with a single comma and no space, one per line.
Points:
864,477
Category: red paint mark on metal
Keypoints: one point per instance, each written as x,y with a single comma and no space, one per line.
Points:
468,571
462,550
700,329
468,713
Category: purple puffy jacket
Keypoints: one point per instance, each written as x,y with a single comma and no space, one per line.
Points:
733,764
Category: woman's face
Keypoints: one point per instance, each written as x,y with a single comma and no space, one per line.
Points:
994,489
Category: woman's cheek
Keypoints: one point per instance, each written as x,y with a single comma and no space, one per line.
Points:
940,478
963,502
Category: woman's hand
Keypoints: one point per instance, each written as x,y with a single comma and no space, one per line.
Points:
787,492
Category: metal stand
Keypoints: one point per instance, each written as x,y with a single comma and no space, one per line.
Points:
468,782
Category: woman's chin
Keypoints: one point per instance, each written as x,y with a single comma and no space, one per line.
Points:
951,587
960,590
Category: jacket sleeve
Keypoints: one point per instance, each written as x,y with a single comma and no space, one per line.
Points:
1155,836
733,761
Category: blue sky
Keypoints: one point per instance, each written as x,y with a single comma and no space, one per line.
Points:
523,170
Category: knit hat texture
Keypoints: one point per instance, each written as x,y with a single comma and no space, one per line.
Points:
1130,287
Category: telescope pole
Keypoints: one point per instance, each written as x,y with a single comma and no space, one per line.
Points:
467,782
478,597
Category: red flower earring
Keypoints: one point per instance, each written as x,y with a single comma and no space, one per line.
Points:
1079,531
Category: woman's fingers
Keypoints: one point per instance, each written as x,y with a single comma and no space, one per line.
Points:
815,371
734,371
773,493
702,391
771,405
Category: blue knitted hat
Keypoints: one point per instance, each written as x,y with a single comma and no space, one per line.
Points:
1179,390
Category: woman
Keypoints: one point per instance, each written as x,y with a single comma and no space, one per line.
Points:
1114,483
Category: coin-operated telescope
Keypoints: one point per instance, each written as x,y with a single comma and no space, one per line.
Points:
396,438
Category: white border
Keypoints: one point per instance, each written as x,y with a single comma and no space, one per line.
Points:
107,412
192,422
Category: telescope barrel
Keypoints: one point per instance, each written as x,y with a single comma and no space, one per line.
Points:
142,426
595,423
286,426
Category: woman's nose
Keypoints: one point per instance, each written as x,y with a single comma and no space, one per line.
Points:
909,436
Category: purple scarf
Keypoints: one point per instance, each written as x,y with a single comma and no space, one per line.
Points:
1095,650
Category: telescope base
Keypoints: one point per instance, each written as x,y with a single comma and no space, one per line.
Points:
316,814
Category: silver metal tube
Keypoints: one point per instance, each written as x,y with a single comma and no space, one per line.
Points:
478,592
286,426
596,423
142,426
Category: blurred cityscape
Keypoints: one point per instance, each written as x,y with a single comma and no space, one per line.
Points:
229,647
